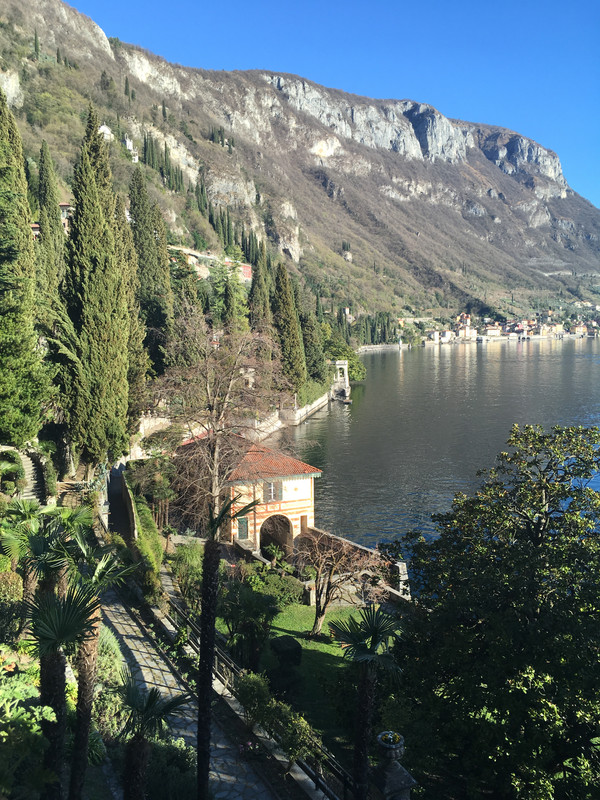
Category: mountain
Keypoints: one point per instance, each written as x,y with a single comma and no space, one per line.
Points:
383,204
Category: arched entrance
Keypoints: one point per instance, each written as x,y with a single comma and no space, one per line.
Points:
278,530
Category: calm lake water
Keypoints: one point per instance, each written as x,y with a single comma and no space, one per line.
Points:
427,419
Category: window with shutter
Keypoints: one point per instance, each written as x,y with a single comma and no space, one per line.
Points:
242,528
272,491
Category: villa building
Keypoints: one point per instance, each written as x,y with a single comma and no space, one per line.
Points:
284,489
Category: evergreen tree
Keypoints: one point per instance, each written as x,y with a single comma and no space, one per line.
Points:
97,306
285,318
313,347
235,312
24,386
36,45
58,57
155,294
260,307
164,111
319,308
51,242
138,361
126,86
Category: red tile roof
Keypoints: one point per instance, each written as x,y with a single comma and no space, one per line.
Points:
260,463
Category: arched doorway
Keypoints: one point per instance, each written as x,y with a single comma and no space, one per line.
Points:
278,530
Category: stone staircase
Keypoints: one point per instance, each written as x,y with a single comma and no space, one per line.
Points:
35,484
34,490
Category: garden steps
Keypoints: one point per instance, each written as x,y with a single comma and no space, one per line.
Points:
34,490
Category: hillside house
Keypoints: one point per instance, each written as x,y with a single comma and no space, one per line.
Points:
106,133
284,487
66,209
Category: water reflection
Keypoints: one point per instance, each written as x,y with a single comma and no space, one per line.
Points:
428,418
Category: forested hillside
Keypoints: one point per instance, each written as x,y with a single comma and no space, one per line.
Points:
375,205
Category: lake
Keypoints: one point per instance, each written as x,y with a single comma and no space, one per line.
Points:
427,419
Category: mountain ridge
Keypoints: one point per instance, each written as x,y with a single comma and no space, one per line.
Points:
430,204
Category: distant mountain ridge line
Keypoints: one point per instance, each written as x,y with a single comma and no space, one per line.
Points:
440,212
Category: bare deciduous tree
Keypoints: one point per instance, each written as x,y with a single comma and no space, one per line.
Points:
342,569
220,385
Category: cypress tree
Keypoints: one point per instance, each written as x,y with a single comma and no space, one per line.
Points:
97,306
58,58
162,318
36,45
285,319
235,308
126,86
258,301
319,308
138,361
229,239
155,293
313,347
24,384
51,242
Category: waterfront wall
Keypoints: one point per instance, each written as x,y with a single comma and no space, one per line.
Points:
294,416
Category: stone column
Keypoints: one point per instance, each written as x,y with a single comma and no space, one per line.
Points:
390,777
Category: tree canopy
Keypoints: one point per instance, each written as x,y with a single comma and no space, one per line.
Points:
501,652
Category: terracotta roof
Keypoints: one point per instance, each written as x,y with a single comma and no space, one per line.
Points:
260,463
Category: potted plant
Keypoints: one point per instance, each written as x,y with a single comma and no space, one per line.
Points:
391,743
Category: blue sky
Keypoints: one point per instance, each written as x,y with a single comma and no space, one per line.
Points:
533,67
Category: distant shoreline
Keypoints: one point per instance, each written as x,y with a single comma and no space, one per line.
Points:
369,348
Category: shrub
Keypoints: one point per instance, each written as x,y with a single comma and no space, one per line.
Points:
288,651
187,566
296,737
311,391
109,713
50,478
149,542
284,589
171,771
11,594
9,488
110,658
252,691
4,563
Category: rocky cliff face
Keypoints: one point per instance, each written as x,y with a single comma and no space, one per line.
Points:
432,206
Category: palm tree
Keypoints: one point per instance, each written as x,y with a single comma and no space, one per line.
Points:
35,540
366,641
56,623
208,615
248,616
148,718
103,570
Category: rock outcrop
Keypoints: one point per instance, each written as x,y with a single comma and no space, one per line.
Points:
430,204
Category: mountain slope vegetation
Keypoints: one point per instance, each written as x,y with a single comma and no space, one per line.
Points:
379,204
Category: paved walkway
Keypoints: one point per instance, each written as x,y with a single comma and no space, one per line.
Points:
231,777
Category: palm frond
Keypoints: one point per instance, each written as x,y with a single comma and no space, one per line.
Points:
59,621
149,710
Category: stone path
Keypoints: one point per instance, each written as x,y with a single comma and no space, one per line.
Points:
231,777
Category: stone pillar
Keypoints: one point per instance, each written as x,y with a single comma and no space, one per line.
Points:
390,777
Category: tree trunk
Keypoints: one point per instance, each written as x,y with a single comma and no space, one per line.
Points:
52,693
30,582
318,623
137,752
364,722
210,589
87,662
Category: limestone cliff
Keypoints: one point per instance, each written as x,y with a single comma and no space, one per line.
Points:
438,211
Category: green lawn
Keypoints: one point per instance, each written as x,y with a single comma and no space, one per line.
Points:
322,662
